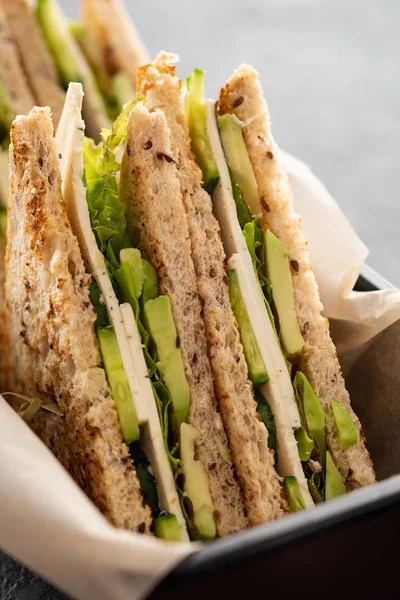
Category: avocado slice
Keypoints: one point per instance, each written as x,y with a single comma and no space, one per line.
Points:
161,326
293,494
334,485
56,33
166,527
200,142
238,161
118,383
347,433
311,412
150,282
305,444
133,258
197,485
280,278
255,364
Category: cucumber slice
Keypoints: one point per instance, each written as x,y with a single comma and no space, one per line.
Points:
118,383
201,146
167,528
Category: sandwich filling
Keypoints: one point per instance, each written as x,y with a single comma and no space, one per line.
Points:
261,291
135,282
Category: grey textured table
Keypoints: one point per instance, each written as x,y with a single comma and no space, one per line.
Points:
330,69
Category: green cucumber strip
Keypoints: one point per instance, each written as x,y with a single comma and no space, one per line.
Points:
255,364
167,527
160,324
280,277
200,142
239,163
118,383
58,38
293,494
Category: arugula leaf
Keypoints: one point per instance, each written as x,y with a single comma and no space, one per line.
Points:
148,485
267,417
31,407
98,305
243,211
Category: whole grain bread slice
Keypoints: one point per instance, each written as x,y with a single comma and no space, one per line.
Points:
114,36
158,224
248,437
35,57
12,76
243,96
50,339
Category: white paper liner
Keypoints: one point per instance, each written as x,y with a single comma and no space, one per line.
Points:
47,523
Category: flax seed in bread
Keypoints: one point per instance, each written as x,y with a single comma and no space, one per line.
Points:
248,437
51,343
35,58
157,223
243,96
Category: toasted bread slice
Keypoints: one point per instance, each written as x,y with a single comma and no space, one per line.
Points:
243,96
156,217
35,57
112,33
12,76
52,347
248,437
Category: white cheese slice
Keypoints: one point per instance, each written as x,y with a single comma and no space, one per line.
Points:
288,456
152,439
69,141
70,148
235,243
279,389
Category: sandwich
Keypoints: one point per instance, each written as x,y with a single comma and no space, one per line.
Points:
113,48
154,293
275,293
285,378
41,52
89,326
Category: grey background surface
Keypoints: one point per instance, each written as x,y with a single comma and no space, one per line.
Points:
330,69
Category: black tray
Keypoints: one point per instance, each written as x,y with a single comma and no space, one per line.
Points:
343,549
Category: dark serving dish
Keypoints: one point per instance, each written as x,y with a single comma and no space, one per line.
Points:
344,549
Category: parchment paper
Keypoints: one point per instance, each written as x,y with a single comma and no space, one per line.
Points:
47,523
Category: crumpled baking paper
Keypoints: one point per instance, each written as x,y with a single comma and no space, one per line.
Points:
48,524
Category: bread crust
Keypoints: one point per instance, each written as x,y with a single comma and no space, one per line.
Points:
243,96
248,437
51,344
